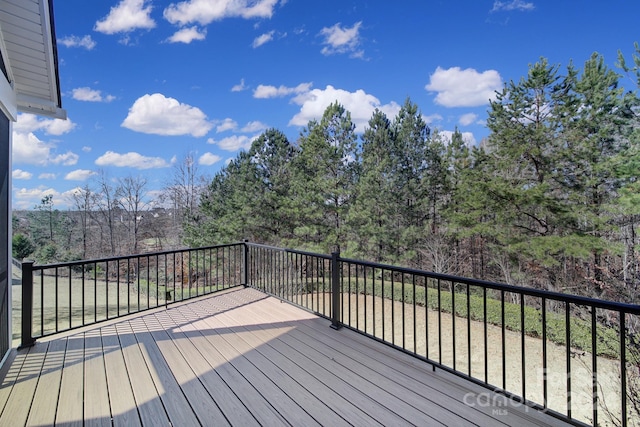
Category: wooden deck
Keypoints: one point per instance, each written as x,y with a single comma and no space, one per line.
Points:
235,358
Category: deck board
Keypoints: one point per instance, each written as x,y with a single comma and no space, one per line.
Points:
206,340
97,411
287,388
343,381
10,374
175,402
146,396
19,401
45,397
194,391
385,359
236,357
121,400
406,403
223,396
390,378
70,400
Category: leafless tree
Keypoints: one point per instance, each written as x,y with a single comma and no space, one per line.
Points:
106,204
83,199
182,193
132,199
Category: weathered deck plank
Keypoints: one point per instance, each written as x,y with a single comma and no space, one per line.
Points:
234,358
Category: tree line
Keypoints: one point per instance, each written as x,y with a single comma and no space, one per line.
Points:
548,200
110,217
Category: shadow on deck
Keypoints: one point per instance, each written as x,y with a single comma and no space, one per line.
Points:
238,357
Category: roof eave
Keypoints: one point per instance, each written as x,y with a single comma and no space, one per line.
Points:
27,99
37,106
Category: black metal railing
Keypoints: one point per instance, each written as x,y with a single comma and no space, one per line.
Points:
302,278
575,358
63,296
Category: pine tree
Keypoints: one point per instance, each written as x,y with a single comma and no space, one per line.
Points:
324,179
596,130
372,216
271,154
410,192
528,215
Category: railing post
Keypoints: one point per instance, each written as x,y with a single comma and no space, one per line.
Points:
245,263
335,291
27,339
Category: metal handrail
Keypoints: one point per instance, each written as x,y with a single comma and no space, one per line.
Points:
312,280
332,287
73,294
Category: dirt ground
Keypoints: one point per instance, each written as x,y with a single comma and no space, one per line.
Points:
428,323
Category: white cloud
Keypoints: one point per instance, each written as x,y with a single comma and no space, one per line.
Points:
239,87
262,39
227,124
57,127
208,159
464,88
338,39
68,159
79,175
27,198
467,137
47,176
131,160
74,41
86,149
254,126
512,5
20,174
467,119
359,103
187,35
206,11
126,16
90,95
265,91
29,149
27,123
432,118
234,143
159,115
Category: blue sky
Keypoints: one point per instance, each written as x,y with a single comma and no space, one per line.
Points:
147,82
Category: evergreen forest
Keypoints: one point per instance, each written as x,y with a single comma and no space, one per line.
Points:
550,199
